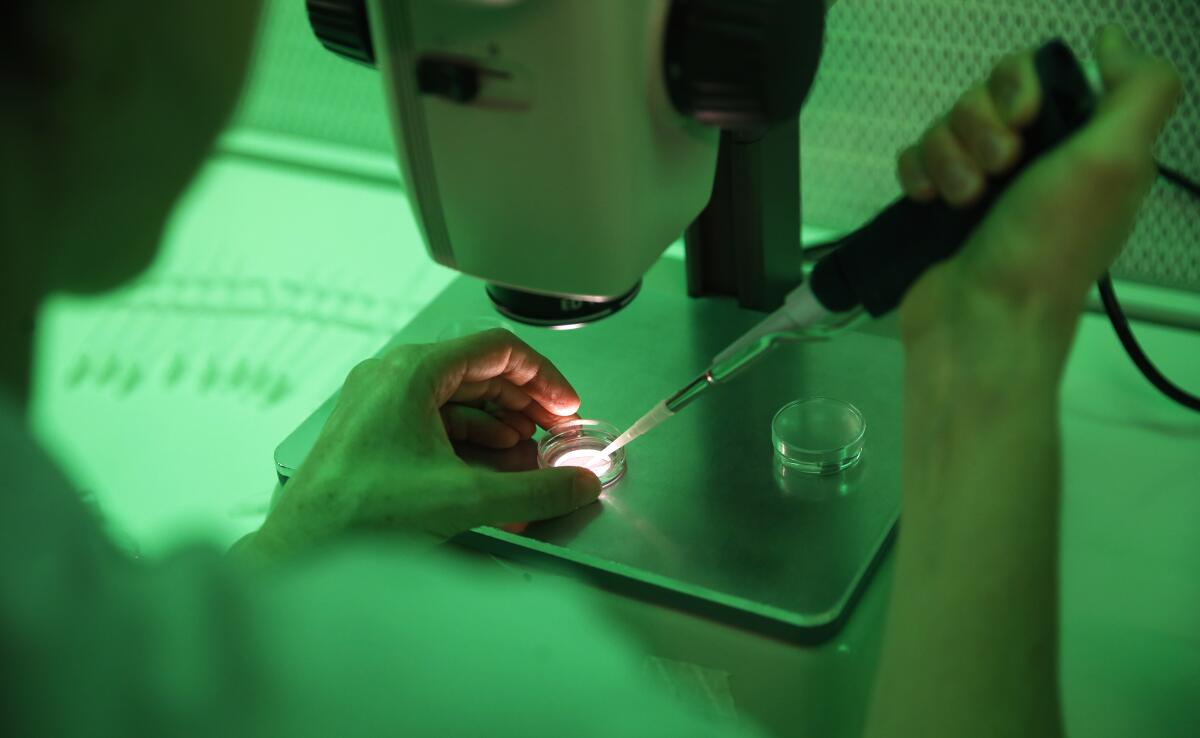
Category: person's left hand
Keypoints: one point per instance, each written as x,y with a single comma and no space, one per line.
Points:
386,458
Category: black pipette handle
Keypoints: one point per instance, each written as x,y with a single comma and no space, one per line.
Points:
874,266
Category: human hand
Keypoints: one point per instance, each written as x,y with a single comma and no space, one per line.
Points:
386,458
1028,267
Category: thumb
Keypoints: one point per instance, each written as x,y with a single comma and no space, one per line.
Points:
537,495
1141,91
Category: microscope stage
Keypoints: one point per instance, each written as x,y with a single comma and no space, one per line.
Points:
703,520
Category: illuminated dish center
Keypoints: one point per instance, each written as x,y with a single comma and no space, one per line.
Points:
595,461
581,443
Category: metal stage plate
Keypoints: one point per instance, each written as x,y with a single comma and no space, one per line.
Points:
702,521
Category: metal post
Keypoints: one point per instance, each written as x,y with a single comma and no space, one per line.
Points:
746,242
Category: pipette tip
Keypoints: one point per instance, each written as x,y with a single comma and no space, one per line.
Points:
644,424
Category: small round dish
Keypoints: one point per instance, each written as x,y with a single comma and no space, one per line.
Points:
818,435
581,443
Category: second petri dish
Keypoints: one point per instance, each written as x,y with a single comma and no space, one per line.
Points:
818,435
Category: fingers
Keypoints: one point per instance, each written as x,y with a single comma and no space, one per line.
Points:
1065,220
913,179
507,396
519,458
1141,91
957,177
981,135
1013,85
498,354
473,425
979,138
985,135
521,423
536,495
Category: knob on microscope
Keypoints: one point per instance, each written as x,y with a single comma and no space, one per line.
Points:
742,64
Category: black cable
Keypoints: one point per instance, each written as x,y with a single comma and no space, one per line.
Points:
1177,178
1120,324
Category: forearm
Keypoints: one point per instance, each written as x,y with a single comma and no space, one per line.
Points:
971,647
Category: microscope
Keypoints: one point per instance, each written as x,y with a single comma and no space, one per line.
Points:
554,149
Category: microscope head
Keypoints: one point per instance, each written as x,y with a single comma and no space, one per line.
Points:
555,148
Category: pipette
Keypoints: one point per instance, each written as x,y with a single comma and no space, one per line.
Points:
801,317
870,270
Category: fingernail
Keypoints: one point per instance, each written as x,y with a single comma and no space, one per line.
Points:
996,151
961,182
586,485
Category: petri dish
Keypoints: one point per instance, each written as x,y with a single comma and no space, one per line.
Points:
818,435
581,442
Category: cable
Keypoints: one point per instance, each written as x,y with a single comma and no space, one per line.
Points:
1120,323
1179,180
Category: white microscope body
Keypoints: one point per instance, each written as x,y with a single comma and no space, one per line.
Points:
544,152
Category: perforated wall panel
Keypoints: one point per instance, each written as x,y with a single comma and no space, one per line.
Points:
298,88
891,67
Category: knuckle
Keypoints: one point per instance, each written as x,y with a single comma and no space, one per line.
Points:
1008,78
1008,69
962,115
911,170
937,151
411,364
969,114
363,370
931,143
403,356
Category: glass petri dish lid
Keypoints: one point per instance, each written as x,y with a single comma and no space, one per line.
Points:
818,435
581,443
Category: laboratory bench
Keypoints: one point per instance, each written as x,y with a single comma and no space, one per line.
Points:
262,302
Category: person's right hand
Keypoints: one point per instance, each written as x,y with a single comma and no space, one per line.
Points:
1060,224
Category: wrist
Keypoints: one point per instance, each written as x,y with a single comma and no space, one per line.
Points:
986,371
987,344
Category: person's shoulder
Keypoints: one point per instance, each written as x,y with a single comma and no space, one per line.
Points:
471,641
38,504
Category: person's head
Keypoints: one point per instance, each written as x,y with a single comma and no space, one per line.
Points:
109,108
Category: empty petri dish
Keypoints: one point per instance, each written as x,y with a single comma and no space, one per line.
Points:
818,435
582,443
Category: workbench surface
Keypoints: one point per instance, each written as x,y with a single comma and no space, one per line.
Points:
255,313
